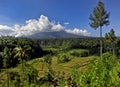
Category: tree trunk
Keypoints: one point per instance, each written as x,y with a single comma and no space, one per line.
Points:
43,65
101,43
22,74
113,47
7,79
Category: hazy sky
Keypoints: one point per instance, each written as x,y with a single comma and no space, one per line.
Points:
69,15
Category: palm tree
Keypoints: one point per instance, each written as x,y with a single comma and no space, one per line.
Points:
22,51
99,18
110,38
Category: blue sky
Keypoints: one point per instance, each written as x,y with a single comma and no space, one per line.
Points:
75,13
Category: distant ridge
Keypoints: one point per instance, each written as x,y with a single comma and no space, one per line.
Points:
55,34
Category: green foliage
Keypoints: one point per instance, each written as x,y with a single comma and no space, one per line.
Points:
104,74
118,48
31,74
63,58
48,59
99,16
66,44
48,78
111,39
11,43
22,50
115,79
73,78
110,36
100,73
1,60
79,53
7,57
61,80
15,78
108,61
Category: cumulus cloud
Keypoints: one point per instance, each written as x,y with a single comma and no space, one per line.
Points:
79,32
5,30
33,26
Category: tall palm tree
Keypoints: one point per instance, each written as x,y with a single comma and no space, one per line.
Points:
22,51
99,18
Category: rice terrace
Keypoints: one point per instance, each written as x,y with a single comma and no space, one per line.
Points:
81,49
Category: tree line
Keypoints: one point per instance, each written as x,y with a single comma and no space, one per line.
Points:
9,46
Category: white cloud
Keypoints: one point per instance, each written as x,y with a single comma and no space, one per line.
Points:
79,32
42,24
5,30
33,26
66,23
4,27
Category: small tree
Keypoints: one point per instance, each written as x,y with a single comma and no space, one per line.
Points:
110,38
7,61
48,60
99,18
6,57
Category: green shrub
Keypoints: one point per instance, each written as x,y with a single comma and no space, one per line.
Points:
47,79
99,73
81,53
30,74
63,58
15,78
108,61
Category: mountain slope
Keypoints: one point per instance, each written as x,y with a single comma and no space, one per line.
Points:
55,34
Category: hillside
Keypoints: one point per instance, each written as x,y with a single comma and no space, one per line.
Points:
79,63
55,34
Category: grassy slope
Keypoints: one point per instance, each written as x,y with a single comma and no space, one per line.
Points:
79,62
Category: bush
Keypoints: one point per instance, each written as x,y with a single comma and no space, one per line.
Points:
108,61
63,58
47,79
99,74
15,78
30,74
78,53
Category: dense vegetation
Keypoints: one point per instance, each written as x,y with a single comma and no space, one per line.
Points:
8,45
7,50
62,53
